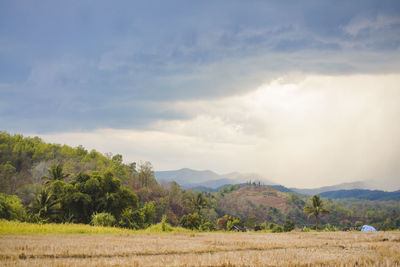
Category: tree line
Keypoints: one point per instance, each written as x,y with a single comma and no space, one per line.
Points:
41,182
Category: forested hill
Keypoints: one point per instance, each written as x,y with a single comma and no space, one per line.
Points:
27,164
24,160
363,194
59,183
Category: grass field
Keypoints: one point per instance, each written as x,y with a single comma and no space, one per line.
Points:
201,249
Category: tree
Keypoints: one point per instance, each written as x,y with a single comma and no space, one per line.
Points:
316,209
11,208
199,202
46,207
191,221
288,226
55,173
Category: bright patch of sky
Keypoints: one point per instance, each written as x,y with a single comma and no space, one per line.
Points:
305,93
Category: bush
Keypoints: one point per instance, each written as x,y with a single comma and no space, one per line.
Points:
330,228
305,229
11,208
277,229
191,221
288,226
235,222
258,228
102,219
207,227
264,226
271,226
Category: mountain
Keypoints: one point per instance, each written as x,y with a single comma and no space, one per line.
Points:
343,186
263,202
363,194
194,179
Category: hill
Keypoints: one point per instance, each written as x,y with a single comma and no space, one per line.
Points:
206,180
363,194
343,186
263,202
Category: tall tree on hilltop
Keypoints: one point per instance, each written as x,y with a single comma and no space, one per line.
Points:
316,209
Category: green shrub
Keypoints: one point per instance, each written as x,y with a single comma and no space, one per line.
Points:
305,229
164,224
330,228
235,222
264,226
208,227
103,219
288,226
11,208
277,229
191,221
271,226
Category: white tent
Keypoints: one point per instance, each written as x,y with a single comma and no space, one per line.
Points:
368,228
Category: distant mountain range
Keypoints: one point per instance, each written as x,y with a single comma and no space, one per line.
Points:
343,186
207,179
363,194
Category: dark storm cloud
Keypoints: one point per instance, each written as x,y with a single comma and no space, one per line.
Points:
98,64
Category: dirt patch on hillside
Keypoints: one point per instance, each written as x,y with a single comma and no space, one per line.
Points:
262,196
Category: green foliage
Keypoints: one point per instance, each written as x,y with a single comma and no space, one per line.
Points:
232,223
191,221
330,228
207,227
55,173
277,229
316,209
88,194
264,226
138,219
288,226
79,183
199,202
227,223
164,224
11,208
7,177
271,226
102,219
251,222
46,207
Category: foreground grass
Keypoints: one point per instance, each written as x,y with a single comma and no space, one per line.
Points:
203,249
22,228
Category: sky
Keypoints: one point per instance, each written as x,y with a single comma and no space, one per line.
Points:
305,93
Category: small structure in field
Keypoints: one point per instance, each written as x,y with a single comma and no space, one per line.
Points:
238,228
368,228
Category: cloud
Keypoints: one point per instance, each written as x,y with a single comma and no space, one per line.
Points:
255,85
299,130
119,66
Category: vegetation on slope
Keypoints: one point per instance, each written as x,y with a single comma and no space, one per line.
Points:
51,183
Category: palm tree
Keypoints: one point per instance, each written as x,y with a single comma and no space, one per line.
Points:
55,173
316,209
199,202
46,206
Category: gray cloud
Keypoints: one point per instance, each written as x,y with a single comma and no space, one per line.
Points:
105,63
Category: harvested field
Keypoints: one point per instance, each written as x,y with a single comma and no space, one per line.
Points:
202,249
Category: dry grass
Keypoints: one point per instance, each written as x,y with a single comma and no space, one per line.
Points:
202,249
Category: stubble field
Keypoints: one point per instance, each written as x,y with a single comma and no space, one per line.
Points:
202,249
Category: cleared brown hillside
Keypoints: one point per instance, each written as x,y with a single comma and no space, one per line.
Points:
262,195
265,203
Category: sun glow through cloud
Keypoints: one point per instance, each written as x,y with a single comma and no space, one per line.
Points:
298,127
